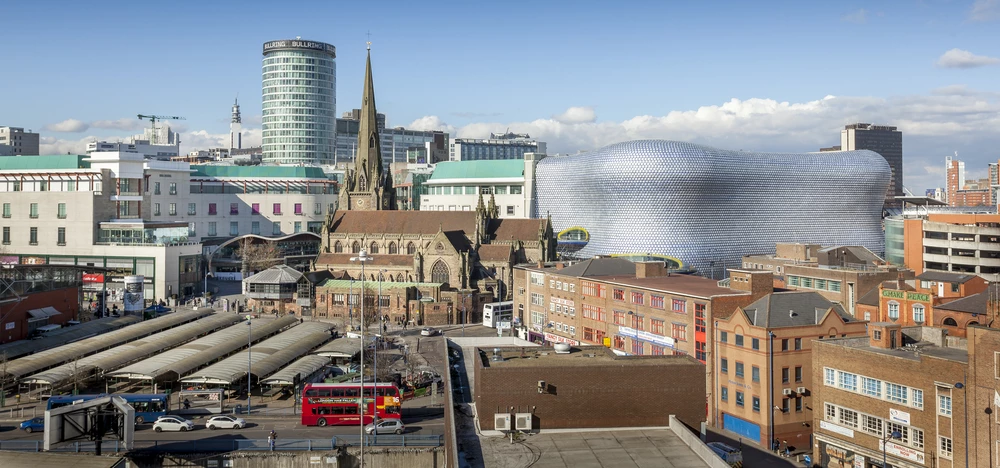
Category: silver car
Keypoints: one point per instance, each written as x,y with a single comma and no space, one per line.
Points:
172,423
225,422
386,426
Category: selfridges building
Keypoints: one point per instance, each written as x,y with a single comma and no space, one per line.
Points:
703,208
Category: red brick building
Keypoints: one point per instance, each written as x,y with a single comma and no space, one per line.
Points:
33,296
948,300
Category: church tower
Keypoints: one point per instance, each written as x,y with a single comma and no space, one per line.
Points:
368,187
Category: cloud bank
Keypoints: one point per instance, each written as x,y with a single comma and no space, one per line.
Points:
958,58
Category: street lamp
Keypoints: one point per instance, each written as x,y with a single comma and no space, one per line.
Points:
988,412
249,361
380,323
885,443
961,386
362,258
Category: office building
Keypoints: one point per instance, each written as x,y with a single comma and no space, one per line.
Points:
763,365
970,193
20,141
884,140
498,146
299,84
946,242
6,150
698,205
458,185
397,143
355,114
160,143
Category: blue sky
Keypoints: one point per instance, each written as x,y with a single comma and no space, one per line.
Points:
777,76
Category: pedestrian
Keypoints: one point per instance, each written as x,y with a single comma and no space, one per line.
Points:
774,445
187,404
271,438
788,450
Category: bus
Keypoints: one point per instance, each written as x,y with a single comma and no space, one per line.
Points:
148,407
497,312
329,404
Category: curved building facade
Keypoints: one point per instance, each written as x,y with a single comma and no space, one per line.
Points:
702,208
299,108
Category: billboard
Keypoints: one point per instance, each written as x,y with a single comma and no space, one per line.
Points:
132,299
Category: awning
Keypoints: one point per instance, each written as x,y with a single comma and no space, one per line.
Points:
44,312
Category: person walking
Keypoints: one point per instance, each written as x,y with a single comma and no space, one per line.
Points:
271,438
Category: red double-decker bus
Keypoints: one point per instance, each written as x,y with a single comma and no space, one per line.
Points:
338,404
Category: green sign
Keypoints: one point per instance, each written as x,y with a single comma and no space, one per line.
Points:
912,296
892,293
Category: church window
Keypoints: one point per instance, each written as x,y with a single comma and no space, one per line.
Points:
439,273
411,249
338,247
399,278
439,247
373,248
392,248
355,247
362,183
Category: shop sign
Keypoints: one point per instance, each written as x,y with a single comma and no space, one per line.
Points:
833,455
9,260
912,296
33,261
627,331
93,278
859,461
899,416
844,431
9,326
901,451
646,336
893,293
559,339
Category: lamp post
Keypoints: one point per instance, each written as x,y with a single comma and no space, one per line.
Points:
249,361
885,443
380,323
989,424
362,258
961,386
350,307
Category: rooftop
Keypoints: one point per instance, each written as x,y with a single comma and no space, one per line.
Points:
974,304
59,161
257,172
688,285
943,276
345,284
449,170
579,356
792,309
281,274
918,342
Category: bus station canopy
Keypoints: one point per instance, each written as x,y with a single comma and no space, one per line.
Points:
265,357
28,365
340,348
132,351
305,366
185,358
64,335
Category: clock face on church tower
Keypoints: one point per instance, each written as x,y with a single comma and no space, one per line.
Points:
361,203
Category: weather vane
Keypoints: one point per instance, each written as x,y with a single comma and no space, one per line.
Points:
369,40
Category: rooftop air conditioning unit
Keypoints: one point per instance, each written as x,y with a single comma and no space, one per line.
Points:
800,390
502,421
522,421
786,391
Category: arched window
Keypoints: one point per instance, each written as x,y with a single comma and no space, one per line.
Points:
950,322
893,310
918,313
411,249
338,247
362,184
355,247
971,324
399,278
373,248
392,248
440,273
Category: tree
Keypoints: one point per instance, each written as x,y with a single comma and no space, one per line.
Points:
257,256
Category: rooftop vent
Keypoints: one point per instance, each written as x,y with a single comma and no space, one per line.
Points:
561,348
497,357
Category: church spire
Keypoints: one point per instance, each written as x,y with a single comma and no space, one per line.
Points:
368,162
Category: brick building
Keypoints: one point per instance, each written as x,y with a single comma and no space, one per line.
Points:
413,303
33,296
893,380
588,387
763,365
946,300
982,383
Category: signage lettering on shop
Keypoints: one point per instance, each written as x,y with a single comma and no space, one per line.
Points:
902,451
844,431
893,294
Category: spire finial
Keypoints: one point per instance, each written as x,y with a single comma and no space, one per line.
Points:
369,33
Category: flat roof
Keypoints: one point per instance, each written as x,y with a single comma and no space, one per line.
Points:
464,170
689,285
579,356
57,161
921,201
257,172
926,349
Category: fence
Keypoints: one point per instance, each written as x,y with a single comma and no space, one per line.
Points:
233,445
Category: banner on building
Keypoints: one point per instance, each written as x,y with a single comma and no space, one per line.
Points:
93,278
132,299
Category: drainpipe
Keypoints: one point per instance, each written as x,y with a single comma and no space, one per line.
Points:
770,386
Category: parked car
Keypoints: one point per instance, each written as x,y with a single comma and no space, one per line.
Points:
732,456
33,424
386,426
225,422
429,332
172,423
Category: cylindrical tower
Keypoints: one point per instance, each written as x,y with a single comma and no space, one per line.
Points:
299,84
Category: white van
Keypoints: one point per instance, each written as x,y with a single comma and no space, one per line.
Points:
42,332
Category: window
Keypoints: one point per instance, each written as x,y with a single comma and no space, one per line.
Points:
756,404
297,227
618,294
739,340
156,188
276,208
755,373
699,318
33,236
918,313
829,377
33,210
637,348
847,381
871,387
6,210
440,273
724,394
917,400
276,229
515,189
724,365
212,229
784,375
798,373
234,208
739,369
678,331
156,209
893,310
784,405
739,398
172,209
798,344
318,209
798,404
755,343
620,318
61,236
298,209
896,392
61,211
848,417
637,297
192,208
255,208
510,210
944,405
723,337
173,188
6,235
679,306
234,228
944,447
255,227
656,326
830,412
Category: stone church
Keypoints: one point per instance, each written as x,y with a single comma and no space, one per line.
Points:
466,252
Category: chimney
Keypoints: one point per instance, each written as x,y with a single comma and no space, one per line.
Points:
900,282
560,265
650,270
541,264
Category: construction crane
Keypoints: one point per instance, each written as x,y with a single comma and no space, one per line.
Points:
152,121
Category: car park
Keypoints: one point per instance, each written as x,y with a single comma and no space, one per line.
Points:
172,423
386,426
429,332
225,422
32,425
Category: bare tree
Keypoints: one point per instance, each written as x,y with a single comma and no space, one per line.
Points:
75,374
257,256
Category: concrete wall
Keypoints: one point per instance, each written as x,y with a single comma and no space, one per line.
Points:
699,447
380,457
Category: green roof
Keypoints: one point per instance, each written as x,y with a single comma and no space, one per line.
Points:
478,169
57,161
246,172
373,285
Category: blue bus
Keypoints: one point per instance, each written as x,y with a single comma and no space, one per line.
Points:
148,407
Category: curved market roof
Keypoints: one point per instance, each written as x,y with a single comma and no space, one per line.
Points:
118,356
197,353
341,347
306,366
265,357
46,359
66,335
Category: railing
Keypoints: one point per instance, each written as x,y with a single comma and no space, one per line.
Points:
213,445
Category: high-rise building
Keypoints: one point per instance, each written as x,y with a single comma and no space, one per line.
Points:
299,87
396,142
884,140
355,114
498,146
236,127
955,174
21,141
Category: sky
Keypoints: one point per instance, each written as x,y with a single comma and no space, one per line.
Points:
765,76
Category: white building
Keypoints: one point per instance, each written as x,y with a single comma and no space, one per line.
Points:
167,146
497,147
236,128
457,185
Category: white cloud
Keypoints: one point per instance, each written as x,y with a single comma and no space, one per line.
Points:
127,125
958,58
68,126
431,122
985,10
53,145
857,17
577,115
